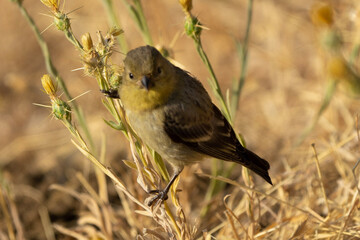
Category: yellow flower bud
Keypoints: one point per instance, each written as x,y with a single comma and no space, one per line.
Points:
322,15
87,42
48,85
53,4
338,68
186,5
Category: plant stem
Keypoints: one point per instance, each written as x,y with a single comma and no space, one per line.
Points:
145,28
216,186
137,13
54,73
114,20
213,80
237,87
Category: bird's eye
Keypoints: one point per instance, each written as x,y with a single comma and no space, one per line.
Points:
131,76
159,70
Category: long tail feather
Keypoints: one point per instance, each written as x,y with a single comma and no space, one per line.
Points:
256,164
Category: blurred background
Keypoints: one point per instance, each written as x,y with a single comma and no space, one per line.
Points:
285,86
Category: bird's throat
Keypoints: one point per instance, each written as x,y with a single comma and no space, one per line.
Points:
140,99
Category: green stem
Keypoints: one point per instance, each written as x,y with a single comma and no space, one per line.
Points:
114,20
213,80
71,37
137,13
354,54
215,185
145,28
236,91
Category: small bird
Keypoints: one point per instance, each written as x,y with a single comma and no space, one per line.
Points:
173,114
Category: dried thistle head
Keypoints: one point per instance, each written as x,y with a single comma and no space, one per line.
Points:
106,44
115,76
95,57
92,63
91,59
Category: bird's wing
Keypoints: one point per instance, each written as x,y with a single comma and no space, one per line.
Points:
212,135
197,123
202,128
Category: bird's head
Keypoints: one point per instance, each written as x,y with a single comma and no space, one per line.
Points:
148,80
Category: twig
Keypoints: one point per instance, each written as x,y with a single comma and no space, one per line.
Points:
320,178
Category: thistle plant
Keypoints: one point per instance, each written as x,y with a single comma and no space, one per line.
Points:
148,164
96,59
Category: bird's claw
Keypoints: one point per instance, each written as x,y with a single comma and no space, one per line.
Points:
160,195
111,93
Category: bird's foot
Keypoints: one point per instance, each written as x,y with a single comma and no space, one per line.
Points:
160,195
111,93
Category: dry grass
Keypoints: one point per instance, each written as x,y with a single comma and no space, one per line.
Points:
50,191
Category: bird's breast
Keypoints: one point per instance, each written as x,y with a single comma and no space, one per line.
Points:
149,126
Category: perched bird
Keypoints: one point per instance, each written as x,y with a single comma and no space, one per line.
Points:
172,113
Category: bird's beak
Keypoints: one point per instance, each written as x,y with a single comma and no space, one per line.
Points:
145,81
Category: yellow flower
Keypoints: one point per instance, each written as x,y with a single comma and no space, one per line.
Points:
48,85
322,15
53,4
186,5
338,68
87,42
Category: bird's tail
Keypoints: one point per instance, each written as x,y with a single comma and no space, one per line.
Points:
255,164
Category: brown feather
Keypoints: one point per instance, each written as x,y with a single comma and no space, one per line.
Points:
208,132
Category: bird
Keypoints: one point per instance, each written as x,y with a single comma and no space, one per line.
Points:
172,113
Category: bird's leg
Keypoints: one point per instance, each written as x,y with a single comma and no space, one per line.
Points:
162,194
111,93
